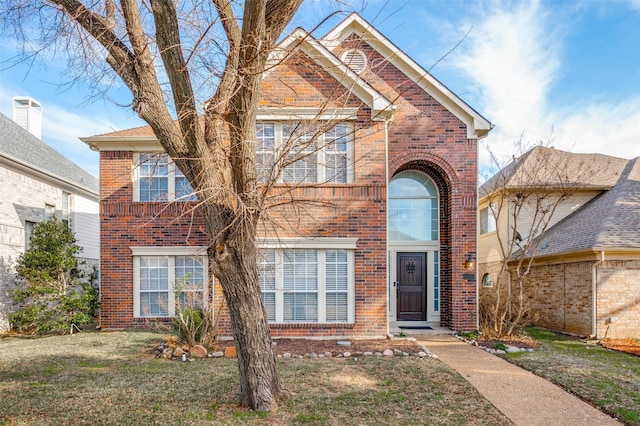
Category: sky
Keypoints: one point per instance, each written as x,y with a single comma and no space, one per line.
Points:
563,73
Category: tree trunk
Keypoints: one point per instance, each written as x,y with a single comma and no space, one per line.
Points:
235,267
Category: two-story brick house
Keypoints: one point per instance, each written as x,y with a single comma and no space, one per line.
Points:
388,198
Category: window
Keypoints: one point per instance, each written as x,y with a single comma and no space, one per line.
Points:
163,282
313,155
65,207
307,285
158,179
436,281
487,220
487,280
49,210
28,230
413,207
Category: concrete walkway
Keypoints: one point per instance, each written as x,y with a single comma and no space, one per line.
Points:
523,397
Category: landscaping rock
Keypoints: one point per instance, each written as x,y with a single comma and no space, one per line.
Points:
378,354
346,354
500,352
328,354
387,352
198,351
344,343
367,353
177,352
422,354
313,355
286,355
217,354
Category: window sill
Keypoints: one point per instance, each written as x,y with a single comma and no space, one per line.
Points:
312,325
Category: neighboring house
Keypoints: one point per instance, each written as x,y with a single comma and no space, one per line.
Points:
38,182
398,175
585,276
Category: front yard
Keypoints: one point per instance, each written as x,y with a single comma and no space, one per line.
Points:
113,378
605,378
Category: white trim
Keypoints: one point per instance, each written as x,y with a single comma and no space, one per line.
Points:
171,179
169,251
331,243
477,126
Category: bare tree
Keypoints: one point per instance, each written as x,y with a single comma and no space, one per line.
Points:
520,203
164,52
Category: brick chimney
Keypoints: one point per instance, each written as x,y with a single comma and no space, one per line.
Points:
27,112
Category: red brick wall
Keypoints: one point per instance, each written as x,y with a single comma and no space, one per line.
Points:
423,135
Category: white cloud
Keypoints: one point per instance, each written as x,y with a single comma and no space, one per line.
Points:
635,4
514,58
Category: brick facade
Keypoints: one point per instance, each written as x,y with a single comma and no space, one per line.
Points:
562,296
423,135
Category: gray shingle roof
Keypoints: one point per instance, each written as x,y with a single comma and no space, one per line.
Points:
609,221
544,167
18,144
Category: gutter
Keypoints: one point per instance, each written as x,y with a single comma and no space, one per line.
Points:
594,292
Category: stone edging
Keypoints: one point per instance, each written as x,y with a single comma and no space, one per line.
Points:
509,349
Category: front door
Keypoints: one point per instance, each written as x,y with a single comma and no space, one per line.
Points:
411,287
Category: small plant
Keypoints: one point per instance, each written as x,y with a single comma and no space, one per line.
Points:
500,346
195,322
401,334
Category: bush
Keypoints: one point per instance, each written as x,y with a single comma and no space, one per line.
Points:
51,293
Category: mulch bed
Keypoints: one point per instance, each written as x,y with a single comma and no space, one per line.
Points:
630,346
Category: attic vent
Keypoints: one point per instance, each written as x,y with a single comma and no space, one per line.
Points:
355,59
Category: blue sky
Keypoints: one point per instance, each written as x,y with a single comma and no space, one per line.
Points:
568,71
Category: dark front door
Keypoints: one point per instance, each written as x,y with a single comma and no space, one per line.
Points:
411,287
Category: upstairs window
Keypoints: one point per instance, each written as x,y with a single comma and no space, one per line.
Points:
159,179
487,220
310,153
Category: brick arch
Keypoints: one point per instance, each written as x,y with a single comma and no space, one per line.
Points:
442,177
400,163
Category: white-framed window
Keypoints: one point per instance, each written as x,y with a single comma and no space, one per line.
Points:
487,219
413,207
314,154
166,278
157,178
304,284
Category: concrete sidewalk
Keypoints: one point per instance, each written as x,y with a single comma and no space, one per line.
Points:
523,397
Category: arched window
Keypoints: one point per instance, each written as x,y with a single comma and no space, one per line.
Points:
487,281
413,207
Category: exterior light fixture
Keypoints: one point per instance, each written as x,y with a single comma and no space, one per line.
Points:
469,263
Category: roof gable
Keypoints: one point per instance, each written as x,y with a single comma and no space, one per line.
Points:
477,125
543,167
381,107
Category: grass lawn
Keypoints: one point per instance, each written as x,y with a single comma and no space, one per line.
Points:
605,378
111,378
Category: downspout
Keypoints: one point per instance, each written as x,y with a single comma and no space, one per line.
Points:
386,219
594,296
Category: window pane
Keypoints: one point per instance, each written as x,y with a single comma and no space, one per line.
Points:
436,281
301,142
265,148
337,307
336,270
154,304
154,273
154,177
300,270
301,307
267,270
336,143
269,300
184,191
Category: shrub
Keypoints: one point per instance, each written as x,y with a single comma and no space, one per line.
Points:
51,292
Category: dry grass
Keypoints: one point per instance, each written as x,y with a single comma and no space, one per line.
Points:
110,378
